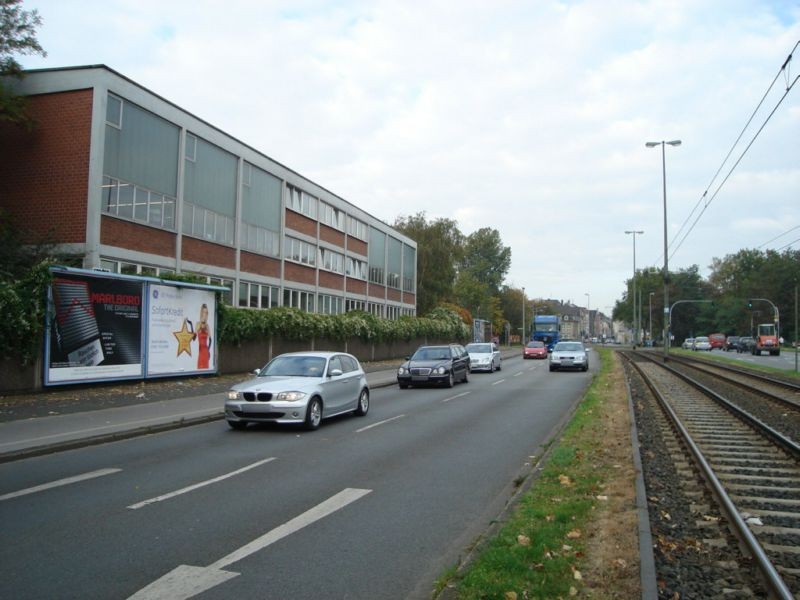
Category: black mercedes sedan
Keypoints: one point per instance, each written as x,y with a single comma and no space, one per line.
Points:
435,365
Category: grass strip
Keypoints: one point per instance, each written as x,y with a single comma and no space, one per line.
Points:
723,358
540,550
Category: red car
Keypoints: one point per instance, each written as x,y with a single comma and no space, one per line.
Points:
717,340
535,350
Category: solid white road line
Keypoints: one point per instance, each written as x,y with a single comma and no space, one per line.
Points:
379,423
518,374
199,485
498,381
59,483
456,396
186,581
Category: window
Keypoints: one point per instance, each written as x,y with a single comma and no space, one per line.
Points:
257,295
191,147
375,308
114,112
260,240
330,305
297,299
393,280
356,269
300,251
331,261
392,312
357,229
376,275
126,200
300,201
355,305
207,224
331,216
247,174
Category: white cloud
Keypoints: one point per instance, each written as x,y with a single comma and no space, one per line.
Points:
527,117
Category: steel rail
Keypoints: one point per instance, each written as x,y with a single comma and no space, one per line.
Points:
777,586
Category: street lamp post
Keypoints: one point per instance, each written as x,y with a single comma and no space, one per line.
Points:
588,313
662,143
524,330
634,233
650,311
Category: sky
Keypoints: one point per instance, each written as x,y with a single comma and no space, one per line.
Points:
527,117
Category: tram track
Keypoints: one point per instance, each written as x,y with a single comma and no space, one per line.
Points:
751,472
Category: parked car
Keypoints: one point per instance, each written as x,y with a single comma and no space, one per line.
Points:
569,355
435,364
730,343
717,340
688,343
745,344
534,350
701,343
484,357
300,387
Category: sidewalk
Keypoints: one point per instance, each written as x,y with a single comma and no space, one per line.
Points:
161,406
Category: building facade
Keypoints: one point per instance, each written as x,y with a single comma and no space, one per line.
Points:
127,181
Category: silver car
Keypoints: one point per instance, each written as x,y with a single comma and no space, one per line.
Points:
484,357
300,387
569,355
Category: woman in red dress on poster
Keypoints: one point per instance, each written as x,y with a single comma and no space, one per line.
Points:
203,339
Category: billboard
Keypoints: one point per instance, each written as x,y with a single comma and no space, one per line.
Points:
94,329
181,330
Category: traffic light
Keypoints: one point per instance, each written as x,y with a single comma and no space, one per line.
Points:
749,304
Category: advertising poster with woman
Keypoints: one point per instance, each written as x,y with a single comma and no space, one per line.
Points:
181,330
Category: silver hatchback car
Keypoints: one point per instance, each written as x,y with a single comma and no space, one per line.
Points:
300,387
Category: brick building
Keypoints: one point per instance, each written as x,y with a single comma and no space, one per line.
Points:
128,181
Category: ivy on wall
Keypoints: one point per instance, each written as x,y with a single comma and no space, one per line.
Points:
22,308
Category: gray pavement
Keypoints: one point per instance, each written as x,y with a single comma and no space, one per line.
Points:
43,435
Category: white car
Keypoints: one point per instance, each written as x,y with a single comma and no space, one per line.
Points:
484,357
701,343
569,355
300,387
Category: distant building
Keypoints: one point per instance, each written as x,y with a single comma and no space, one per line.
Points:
129,182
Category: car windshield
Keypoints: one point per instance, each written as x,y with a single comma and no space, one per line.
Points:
535,344
568,347
294,366
480,348
431,354
701,339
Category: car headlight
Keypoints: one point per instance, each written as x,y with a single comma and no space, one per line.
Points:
401,371
441,370
290,396
234,395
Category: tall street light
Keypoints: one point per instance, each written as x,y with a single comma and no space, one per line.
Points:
650,311
634,233
524,330
666,256
588,313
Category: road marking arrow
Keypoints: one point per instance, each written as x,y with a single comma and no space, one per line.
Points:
186,581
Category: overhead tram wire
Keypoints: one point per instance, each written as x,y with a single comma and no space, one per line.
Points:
779,236
727,156
787,245
736,142
736,164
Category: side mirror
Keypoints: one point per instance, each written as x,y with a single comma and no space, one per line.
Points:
257,372
335,373
408,358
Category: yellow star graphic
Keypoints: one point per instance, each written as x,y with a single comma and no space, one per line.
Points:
184,337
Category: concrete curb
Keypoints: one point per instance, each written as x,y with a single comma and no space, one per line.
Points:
647,563
116,436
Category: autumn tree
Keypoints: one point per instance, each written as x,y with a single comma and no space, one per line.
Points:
17,36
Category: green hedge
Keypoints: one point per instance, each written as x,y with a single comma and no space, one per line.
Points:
237,325
22,306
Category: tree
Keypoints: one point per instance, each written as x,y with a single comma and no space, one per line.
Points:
439,249
17,36
485,258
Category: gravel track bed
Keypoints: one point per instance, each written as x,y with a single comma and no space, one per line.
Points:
778,416
684,520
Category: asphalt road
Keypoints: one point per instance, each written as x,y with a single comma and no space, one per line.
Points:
373,507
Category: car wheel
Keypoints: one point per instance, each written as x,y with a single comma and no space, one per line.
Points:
403,386
313,414
466,376
552,368
500,366
585,368
449,383
363,403
237,425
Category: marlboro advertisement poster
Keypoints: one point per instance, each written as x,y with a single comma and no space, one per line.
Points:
94,329
181,330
